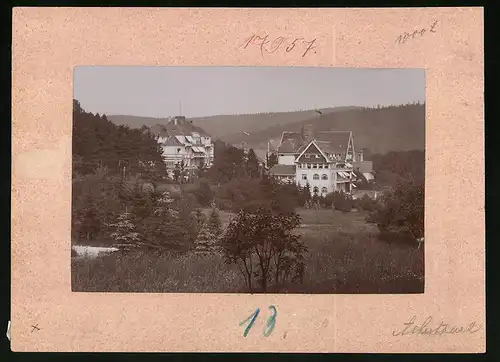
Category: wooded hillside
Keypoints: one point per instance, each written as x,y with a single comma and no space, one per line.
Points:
229,125
394,128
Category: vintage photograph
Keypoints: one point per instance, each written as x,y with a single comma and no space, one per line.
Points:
301,180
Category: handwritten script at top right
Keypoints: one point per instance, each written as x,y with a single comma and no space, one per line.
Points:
404,37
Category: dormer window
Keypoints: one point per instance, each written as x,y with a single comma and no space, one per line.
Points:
308,155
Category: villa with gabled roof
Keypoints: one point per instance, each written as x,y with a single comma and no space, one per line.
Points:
325,160
182,142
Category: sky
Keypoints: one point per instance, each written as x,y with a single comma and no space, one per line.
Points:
206,91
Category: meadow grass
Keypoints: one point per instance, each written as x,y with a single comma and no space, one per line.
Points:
155,273
345,256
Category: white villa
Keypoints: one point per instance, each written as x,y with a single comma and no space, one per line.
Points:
181,141
326,161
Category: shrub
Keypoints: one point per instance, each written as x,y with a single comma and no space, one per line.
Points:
340,201
201,190
236,194
265,248
252,194
366,203
402,210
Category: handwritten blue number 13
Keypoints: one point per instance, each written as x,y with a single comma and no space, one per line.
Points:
271,321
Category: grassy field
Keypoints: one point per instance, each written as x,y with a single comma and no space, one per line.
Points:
345,256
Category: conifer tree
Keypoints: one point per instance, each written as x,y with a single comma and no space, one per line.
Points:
206,242
214,223
124,235
252,164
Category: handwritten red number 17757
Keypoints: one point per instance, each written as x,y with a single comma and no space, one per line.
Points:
272,45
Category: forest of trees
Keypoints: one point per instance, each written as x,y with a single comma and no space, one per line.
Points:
383,129
112,165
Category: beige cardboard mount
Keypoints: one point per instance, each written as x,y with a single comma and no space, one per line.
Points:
49,42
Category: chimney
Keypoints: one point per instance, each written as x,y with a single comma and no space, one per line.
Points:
360,154
179,120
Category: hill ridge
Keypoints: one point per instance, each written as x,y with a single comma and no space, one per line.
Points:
389,128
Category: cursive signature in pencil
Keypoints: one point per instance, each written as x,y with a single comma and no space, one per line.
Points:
434,329
271,45
405,36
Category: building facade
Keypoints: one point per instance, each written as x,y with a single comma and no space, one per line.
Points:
185,144
324,160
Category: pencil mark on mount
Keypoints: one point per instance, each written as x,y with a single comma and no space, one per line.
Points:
269,46
430,329
404,37
34,328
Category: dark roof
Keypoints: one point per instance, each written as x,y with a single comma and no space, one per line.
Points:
287,147
291,142
283,170
301,148
291,135
333,142
172,141
159,130
182,128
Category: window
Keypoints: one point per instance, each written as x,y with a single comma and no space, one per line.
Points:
315,190
304,176
320,165
315,166
308,165
324,190
317,156
316,176
324,176
307,155
178,150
